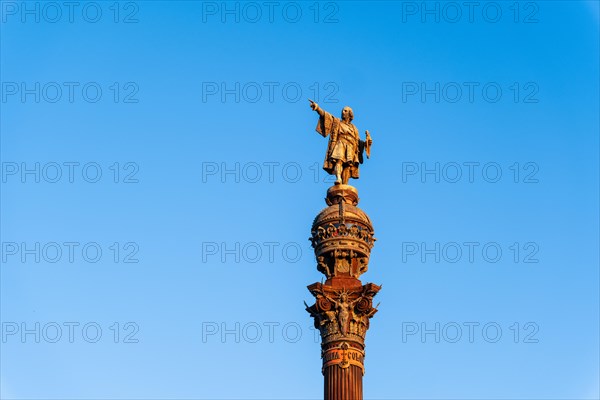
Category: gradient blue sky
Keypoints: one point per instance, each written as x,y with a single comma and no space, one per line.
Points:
363,54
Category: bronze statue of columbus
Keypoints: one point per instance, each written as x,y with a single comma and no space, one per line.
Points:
345,148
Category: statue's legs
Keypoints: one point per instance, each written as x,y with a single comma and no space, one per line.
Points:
345,175
338,172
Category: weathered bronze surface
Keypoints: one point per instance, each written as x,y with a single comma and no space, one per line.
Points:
345,148
342,238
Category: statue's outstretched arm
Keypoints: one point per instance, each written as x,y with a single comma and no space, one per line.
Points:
315,107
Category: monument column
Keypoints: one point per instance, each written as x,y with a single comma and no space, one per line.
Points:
342,238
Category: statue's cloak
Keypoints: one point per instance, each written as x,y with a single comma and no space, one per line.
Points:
328,125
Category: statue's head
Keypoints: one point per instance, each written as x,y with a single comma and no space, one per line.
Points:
347,114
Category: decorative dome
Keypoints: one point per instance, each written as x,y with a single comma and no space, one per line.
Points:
342,235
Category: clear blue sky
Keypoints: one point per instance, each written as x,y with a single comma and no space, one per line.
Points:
482,187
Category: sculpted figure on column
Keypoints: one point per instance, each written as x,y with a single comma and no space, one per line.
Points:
345,148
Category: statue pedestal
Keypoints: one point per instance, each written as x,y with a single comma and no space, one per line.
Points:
342,238
345,193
